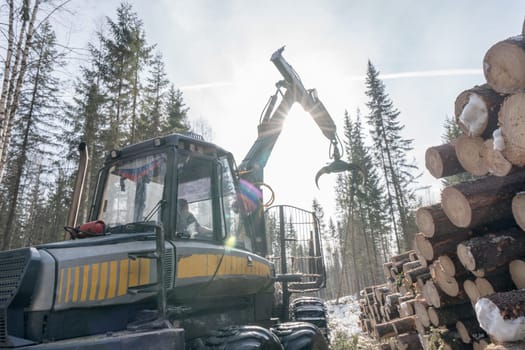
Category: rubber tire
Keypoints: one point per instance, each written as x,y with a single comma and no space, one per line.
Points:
298,305
300,336
239,338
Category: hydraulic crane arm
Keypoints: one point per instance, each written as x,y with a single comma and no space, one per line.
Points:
271,123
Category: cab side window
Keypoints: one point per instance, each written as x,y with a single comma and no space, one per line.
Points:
232,228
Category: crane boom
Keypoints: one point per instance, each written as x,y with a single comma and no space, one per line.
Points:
270,125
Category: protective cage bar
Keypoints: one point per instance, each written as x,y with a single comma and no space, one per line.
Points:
297,230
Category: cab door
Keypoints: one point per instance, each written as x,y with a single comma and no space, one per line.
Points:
214,258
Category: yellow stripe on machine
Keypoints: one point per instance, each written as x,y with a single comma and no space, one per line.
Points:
204,265
104,280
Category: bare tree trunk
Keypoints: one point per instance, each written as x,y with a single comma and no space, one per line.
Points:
11,106
20,165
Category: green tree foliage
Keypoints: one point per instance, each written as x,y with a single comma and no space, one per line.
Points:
33,143
362,206
176,112
390,154
125,54
121,95
152,117
452,132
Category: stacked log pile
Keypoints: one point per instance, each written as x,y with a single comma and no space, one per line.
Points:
388,311
468,290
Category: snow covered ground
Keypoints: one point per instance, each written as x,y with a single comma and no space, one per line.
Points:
344,316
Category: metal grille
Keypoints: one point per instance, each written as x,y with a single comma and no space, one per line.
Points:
12,267
168,268
295,246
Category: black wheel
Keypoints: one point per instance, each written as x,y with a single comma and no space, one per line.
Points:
311,310
238,338
300,336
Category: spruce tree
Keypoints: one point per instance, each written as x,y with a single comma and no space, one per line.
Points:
390,153
152,115
125,54
452,132
176,112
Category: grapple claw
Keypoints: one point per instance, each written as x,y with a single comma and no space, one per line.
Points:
338,166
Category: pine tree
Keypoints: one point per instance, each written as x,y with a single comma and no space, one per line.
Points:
390,153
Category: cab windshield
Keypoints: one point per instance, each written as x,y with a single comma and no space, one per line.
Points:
134,190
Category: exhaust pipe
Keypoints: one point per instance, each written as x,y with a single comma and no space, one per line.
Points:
72,215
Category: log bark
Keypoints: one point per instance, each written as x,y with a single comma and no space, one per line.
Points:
495,162
412,275
411,265
432,221
476,111
408,341
431,248
500,315
448,316
406,308
517,273
437,298
450,340
494,283
403,257
504,66
518,209
395,327
482,201
492,250
512,125
469,329
442,161
420,282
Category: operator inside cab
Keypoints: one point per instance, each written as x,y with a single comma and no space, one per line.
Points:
187,224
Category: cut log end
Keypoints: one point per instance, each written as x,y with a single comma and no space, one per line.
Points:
518,209
468,151
425,222
504,66
456,207
472,291
517,273
434,163
466,257
496,163
511,118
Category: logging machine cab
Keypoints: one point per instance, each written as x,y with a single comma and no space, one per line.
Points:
181,182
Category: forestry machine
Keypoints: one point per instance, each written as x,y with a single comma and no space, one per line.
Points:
176,255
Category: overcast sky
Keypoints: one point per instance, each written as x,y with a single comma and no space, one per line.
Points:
218,53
